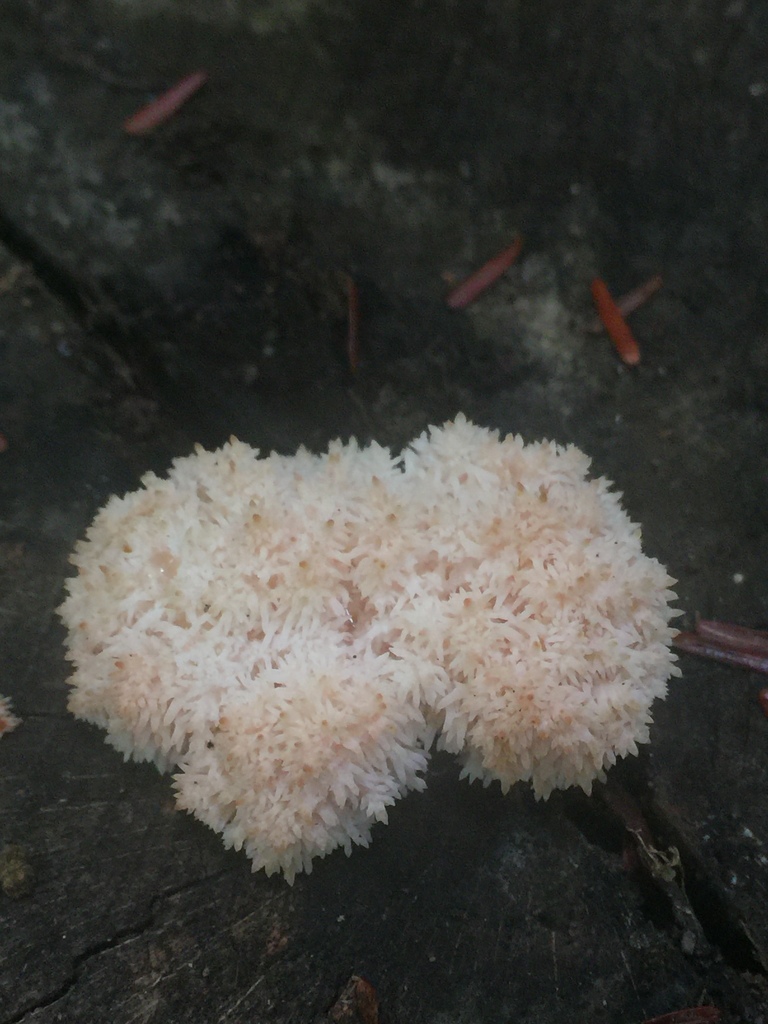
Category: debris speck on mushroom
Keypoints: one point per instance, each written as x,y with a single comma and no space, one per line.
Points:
291,635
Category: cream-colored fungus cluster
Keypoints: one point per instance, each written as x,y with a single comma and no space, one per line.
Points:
292,633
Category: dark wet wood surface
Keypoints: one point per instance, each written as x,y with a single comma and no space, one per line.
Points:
184,286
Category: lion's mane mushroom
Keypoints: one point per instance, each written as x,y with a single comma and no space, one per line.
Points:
291,632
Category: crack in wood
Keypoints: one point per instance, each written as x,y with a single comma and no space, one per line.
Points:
115,941
119,349
665,862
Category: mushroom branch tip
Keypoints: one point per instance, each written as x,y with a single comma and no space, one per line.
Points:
290,635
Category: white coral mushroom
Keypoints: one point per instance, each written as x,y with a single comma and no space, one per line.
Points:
291,632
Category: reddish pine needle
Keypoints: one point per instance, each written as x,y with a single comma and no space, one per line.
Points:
691,1015
762,698
164,106
469,289
737,638
639,296
723,641
615,324
631,301
693,644
353,323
